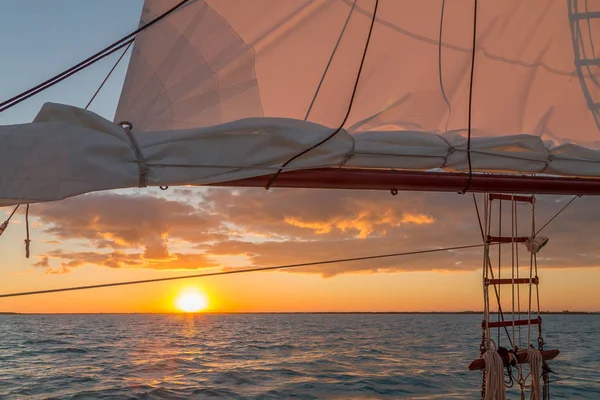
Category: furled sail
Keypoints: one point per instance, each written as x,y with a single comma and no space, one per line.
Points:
224,90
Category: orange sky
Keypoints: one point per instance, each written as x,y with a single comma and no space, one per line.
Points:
117,237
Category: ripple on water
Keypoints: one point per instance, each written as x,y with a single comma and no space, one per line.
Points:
266,356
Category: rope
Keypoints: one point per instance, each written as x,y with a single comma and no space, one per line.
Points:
494,375
535,359
335,48
440,65
27,240
512,254
493,382
535,365
348,111
468,186
239,271
5,105
59,78
139,156
499,265
485,267
108,75
514,362
4,225
517,267
531,255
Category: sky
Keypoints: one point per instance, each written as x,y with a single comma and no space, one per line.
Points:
148,233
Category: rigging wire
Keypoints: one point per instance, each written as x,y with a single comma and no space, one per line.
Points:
108,75
124,41
13,212
4,225
61,78
335,48
350,104
239,271
557,214
440,65
468,186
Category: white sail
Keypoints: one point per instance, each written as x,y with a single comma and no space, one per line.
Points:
222,90
217,61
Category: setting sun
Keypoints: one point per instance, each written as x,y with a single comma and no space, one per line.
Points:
191,302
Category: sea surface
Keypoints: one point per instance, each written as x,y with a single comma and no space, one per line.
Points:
270,356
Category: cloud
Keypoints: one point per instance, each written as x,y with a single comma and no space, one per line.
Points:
303,213
122,221
197,226
286,253
43,263
118,259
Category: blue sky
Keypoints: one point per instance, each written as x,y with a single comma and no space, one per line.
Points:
40,38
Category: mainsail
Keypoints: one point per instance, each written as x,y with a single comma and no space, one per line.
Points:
224,92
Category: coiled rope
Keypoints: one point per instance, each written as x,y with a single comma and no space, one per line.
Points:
494,374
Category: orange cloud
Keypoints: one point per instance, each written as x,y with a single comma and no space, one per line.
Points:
418,219
118,259
364,221
290,226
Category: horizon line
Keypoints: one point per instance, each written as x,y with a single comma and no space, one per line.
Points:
466,312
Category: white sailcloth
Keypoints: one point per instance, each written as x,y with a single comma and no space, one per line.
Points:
228,89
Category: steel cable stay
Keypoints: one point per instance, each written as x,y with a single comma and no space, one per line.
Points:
243,271
5,224
116,46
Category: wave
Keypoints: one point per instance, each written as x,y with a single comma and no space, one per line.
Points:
230,357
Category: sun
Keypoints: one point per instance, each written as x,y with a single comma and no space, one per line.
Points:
191,302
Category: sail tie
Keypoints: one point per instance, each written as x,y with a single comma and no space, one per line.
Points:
27,240
141,161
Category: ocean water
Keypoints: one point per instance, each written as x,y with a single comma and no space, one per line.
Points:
270,356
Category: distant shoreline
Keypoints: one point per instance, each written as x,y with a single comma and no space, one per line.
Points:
312,312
